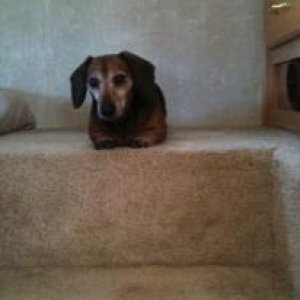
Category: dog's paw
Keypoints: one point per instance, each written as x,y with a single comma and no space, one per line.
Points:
105,145
140,143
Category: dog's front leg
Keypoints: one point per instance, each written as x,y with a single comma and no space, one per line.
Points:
149,137
152,133
101,137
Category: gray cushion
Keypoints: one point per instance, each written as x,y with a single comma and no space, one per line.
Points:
15,113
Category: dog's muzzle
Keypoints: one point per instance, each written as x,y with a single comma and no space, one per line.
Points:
108,110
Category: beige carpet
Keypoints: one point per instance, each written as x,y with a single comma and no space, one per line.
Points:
65,204
152,283
226,198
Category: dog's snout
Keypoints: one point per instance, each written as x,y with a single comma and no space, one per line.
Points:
108,110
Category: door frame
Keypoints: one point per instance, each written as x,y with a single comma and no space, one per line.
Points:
284,50
273,114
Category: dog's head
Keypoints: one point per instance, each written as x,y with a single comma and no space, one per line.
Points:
112,81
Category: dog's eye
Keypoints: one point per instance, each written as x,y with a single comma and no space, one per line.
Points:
119,79
94,82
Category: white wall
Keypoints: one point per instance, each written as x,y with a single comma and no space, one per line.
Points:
209,54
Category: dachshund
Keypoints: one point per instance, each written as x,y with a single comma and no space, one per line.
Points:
128,107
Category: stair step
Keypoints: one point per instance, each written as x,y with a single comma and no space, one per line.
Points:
147,283
62,203
227,198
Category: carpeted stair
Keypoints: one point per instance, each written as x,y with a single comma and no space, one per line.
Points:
208,215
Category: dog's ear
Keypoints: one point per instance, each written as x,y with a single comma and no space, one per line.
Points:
141,70
78,83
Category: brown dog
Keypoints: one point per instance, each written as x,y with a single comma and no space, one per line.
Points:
128,107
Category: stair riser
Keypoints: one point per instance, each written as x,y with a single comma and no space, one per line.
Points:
136,208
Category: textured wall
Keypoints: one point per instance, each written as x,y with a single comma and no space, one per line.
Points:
209,53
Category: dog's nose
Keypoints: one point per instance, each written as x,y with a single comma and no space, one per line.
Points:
108,110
